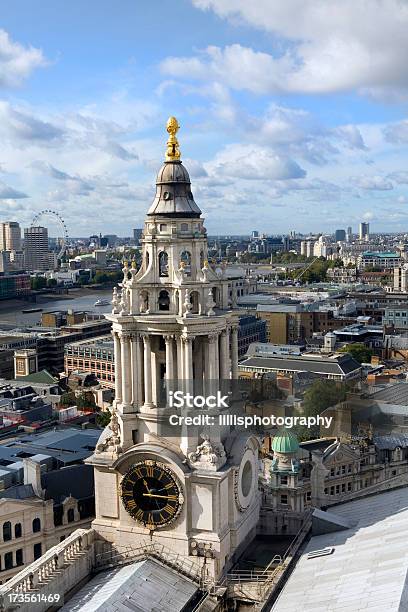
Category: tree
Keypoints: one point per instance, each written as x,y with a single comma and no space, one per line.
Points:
52,282
320,395
38,282
86,400
103,418
359,351
68,399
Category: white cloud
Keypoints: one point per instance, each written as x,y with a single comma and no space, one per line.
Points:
375,183
16,61
400,177
324,47
252,162
397,133
8,193
23,128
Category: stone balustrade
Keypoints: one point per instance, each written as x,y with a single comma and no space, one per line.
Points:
56,571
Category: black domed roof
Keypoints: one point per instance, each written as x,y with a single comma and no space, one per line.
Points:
173,192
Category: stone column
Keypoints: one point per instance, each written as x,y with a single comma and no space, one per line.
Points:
234,352
169,376
188,363
198,363
168,339
126,369
180,361
140,370
212,356
136,370
147,371
118,368
224,355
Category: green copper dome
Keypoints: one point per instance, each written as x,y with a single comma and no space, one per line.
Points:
285,442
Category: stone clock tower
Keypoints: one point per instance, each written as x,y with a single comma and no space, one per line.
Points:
192,489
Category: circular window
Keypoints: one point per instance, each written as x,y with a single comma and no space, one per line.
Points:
246,481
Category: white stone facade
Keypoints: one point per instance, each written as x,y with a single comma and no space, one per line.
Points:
174,327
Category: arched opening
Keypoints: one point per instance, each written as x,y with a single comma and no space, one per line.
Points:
8,560
195,302
177,300
164,300
146,261
144,301
215,295
6,531
163,264
185,257
201,259
36,525
70,515
18,532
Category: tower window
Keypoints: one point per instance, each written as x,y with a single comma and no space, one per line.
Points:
36,525
144,301
185,257
164,300
184,227
163,264
195,302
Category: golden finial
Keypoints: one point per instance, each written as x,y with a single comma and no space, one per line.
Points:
173,151
133,265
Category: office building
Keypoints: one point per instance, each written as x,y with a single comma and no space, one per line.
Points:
36,248
94,356
251,329
10,236
137,236
364,231
340,235
14,286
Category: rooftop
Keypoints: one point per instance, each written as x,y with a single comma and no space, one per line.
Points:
318,363
368,567
386,254
393,394
145,586
67,446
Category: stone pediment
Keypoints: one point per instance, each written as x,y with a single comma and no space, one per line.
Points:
342,453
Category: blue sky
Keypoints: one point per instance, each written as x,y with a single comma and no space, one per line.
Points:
293,113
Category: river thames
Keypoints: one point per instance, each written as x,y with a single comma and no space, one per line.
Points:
11,311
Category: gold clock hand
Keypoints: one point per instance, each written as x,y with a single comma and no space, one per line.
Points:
161,496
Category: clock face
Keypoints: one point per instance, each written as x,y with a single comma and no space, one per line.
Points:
151,494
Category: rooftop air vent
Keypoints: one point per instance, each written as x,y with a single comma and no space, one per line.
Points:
320,553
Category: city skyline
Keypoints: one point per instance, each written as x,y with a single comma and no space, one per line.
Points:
298,111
